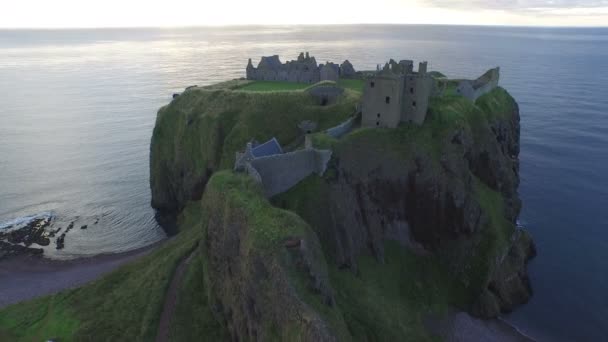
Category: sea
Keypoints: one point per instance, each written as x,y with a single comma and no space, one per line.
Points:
77,109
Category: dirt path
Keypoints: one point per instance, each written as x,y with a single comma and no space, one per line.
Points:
23,278
171,299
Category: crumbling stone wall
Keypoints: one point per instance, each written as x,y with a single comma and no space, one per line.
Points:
473,89
326,94
280,172
343,128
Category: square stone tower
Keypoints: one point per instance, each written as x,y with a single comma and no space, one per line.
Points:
396,94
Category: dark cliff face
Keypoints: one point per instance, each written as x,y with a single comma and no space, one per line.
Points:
452,195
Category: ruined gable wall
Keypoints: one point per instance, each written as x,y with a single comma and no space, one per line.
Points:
280,172
483,85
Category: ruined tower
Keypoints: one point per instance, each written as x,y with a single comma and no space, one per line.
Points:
396,94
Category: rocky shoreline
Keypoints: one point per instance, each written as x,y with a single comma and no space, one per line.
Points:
17,241
29,238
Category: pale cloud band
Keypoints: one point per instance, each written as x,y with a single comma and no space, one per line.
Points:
137,13
518,4
553,7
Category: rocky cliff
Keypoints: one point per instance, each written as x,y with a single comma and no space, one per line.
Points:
405,223
447,189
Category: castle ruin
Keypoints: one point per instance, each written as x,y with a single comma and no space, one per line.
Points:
302,70
396,94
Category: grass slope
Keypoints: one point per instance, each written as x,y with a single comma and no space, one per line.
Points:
273,86
266,86
209,126
125,305
192,319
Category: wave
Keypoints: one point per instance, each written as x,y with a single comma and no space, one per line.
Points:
24,220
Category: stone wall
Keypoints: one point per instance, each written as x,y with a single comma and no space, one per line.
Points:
326,94
278,173
343,128
473,89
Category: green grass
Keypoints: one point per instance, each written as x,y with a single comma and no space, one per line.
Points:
322,140
494,239
268,226
497,103
38,320
266,86
124,305
205,128
273,86
387,301
310,199
352,84
192,319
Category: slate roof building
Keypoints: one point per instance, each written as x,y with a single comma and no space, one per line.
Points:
269,148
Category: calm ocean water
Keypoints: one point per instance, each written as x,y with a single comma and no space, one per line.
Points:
78,107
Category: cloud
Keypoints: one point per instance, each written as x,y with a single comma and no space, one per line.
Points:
519,5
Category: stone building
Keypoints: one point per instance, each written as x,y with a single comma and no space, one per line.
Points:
302,70
329,72
396,94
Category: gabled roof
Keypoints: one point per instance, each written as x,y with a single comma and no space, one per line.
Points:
269,148
271,62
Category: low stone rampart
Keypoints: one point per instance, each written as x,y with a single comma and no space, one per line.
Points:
343,128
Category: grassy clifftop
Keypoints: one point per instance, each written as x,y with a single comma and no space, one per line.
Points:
200,131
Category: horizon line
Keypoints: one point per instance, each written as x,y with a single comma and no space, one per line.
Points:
292,25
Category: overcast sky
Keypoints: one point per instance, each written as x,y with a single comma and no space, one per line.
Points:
129,13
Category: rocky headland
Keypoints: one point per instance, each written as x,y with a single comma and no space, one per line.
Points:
407,234
441,197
